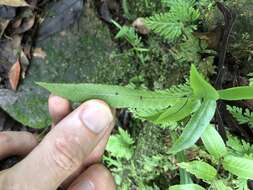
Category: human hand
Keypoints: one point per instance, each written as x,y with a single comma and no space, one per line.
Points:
68,155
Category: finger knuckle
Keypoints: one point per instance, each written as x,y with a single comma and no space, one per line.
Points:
66,153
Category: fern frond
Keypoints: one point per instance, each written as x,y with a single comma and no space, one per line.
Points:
177,21
239,146
243,117
164,25
188,50
120,145
130,35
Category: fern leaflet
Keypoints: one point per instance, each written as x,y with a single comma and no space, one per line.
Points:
243,117
179,20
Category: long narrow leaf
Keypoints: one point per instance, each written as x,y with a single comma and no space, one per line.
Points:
237,93
179,111
115,96
213,142
195,127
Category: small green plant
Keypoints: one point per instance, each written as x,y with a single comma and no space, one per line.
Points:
119,155
161,107
196,101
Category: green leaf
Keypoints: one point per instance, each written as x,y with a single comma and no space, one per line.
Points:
200,169
115,96
219,185
120,145
179,111
241,167
237,93
213,142
176,22
243,116
195,127
186,187
201,88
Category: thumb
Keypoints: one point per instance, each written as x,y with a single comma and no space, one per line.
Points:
64,149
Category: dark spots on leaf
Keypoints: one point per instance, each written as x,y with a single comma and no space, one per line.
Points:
116,93
141,97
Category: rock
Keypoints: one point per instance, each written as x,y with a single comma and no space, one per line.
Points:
65,13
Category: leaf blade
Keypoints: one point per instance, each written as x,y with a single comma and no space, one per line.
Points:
241,167
195,127
237,93
213,142
115,96
201,88
179,111
200,169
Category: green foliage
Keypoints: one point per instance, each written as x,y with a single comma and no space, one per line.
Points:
241,167
161,105
195,127
120,145
186,187
237,93
115,96
243,117
219,185
240,147
241,184
179,20
213,142
128,33
179,111
200,169
200,87
198,102
189,50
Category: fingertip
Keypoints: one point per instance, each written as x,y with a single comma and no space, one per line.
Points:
96,177
58,108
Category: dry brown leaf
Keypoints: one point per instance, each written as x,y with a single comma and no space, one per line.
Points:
39,53
14,3
14,75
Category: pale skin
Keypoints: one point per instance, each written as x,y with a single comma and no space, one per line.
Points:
69,156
